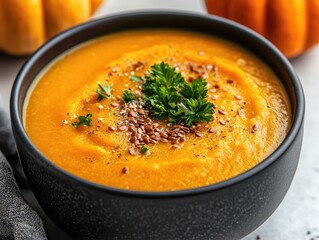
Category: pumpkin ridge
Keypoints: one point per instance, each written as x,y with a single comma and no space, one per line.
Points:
217,7
256,17
291,25
312,23
21,32
285,25
26,24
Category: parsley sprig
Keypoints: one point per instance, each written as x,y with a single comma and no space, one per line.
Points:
128,96
171,97
144,149
136,78
83,120
103,92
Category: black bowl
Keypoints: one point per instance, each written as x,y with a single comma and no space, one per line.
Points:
226,210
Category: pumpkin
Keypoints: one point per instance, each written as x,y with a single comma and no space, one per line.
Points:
26,24
292,25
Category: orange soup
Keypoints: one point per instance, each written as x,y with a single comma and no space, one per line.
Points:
76,114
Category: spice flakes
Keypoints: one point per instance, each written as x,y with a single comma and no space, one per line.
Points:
136,119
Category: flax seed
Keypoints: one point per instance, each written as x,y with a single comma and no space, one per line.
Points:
134,121
122,128
222,112
180,135
214,97
140,111
140,121
175,141
185,129
180,131
153,137
174,134
157,129
213,90
240,112
132,113
163,135
171,138
112,128
222,122
131,129
198,134
148,120
131,151
148,128
146,139
212,130
113,104
151,132
238,97
125,170
152,141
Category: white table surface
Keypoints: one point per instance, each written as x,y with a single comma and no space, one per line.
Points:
297,218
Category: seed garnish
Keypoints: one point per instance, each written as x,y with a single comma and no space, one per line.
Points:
131,151
222,122
212,130
125,170
255,126
222,112
238,97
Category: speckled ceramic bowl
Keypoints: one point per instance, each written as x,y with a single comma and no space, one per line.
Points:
226,210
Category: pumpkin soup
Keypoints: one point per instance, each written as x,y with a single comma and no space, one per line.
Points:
157,110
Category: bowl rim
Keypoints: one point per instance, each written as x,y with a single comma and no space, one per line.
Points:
296,125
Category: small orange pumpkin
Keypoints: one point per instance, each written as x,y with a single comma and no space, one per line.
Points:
26,24
292,25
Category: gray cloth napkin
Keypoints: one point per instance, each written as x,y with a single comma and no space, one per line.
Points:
17,220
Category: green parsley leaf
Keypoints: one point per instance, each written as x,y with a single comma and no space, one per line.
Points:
83,120
128,96
144,149
162,77
193,110
161,90
135,78
198,89
103,92
171,97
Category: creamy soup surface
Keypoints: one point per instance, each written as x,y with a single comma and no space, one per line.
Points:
252,112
